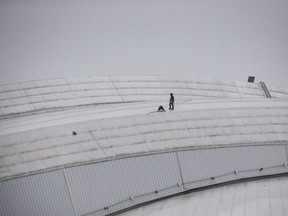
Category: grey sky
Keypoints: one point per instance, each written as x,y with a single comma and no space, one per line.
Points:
226,39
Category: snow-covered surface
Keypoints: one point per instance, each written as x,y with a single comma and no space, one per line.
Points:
58,94
30,144
252,198
115,119
32,122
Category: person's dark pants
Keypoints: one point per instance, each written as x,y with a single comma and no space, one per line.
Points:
171,105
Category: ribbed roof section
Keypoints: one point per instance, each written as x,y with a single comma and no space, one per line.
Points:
58,94
195,124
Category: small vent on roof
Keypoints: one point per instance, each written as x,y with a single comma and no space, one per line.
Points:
74,133
212,178
261,169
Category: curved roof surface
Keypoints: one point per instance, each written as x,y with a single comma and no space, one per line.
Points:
51,125
232,113
56,94
252,198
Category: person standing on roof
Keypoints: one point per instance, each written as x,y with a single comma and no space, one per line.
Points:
171,102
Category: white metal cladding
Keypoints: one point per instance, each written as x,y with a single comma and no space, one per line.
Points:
286,148
38,147
96,186
62,93
208,166
43,194
107,187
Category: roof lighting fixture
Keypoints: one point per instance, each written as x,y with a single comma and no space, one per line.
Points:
251,79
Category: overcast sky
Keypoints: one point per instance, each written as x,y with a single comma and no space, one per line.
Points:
225,39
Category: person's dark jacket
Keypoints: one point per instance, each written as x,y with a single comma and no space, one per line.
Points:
171,98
